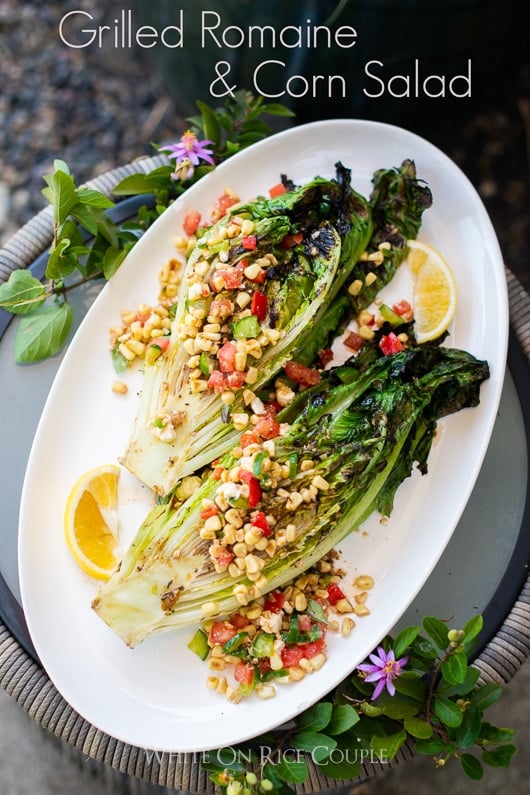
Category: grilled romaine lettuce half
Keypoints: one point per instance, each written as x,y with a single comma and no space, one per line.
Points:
362,428
295,251
397,202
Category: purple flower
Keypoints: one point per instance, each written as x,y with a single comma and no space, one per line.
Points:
384,670
188,153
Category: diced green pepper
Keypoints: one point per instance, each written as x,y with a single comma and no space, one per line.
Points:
316,611
390,316
235,642
263,645
152,353
204,363
246,328
257,466
199,644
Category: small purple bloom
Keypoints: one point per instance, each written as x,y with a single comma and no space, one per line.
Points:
188,153
384,670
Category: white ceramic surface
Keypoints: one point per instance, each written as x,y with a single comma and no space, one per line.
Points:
154,696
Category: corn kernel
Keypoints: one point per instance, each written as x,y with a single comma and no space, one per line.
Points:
119,387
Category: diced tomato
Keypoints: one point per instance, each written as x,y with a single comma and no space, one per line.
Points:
141,317
249,242
238,621
224,558
306,376
217,473
221,632
232,277
259,304
162,342
354,341
260,278
325,357
248,438
236,379
304,622
291,655
244,673
292,240
223,203
260,520
267,427
254,495
274,601
272,407
227,355
404,310
277,190
191,222
216,381
390,344
335,593
210,510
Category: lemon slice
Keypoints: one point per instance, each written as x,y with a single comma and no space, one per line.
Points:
91,521
434,291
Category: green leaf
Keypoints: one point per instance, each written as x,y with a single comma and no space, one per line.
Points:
370,710
429,747
280,788
470,728
343,717
344,764
22,293
462,688
490,735
405,639
316,717
499,757
454,669
385,748
424,650
418,728
486,695
61,260
448,712
61,194
94,198
158,179
87,216
276,109
436,630
315,743
472,628
398,706
61,165
223,759
411,684
292,770
210,123
112,260
471,766
43,333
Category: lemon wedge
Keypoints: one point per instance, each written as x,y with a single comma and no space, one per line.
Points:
434,291
91,521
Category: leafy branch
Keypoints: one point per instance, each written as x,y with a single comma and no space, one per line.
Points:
433,702
85,240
